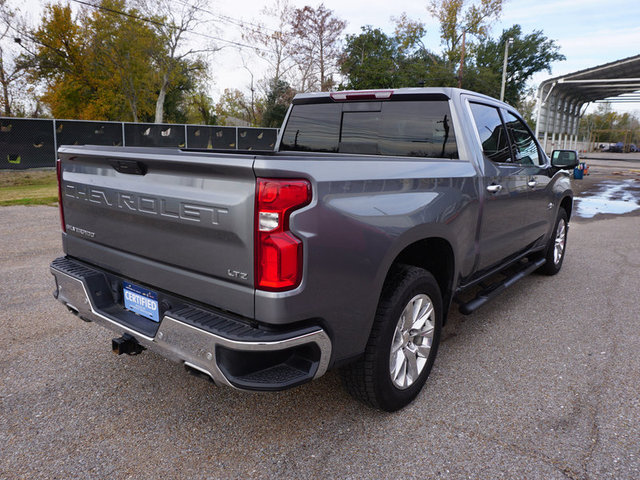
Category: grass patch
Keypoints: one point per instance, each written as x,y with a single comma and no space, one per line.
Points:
13,178
51,201
39,187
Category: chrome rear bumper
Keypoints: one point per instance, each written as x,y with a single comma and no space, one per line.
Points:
194,347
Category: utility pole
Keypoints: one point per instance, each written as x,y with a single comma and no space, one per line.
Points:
504,67
464,34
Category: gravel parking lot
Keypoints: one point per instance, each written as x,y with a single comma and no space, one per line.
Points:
542,383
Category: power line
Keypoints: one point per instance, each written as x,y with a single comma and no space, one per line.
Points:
225,18
124,14
161,24
237,44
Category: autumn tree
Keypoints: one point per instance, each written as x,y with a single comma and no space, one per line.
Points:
95,65
62,61
608,126
105,63
317,34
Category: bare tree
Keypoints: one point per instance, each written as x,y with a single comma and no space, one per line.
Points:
274,45
175,21
317,44
11,72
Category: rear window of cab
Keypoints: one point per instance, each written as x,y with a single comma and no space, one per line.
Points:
399,128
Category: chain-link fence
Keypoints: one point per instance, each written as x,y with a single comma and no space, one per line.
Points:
33,142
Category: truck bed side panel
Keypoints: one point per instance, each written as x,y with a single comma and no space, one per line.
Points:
366,210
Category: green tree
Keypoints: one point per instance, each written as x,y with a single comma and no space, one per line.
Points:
201,109
374,59
234,108
369,60
415,63
460,23
276,103
529,54
458,19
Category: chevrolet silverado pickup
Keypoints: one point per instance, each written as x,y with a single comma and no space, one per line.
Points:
345,247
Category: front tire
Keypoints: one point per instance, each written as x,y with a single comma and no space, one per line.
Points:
557,245
403,342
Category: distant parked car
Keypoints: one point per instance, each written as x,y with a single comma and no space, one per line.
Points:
616,148
633,148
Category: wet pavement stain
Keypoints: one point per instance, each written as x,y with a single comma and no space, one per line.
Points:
609,197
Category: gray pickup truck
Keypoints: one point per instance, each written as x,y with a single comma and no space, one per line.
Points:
345,247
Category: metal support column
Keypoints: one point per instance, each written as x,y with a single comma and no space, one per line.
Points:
55,140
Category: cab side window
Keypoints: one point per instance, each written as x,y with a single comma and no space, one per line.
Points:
525,147
492,132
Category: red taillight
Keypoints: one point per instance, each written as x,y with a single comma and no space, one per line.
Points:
278,253
59,173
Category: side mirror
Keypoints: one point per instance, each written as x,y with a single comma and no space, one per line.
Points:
564,159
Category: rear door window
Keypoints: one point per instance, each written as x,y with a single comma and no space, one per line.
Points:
392,128
492,133
526,149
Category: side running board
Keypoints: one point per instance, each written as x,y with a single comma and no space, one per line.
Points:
497,288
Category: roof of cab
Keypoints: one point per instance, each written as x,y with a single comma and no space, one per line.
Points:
384,94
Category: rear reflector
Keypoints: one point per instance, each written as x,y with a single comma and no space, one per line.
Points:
59,174
278,253
361,95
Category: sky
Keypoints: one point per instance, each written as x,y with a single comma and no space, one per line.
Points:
589,32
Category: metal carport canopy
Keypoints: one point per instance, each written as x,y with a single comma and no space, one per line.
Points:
561,99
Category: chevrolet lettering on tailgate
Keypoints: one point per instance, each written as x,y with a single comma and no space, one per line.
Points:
146,204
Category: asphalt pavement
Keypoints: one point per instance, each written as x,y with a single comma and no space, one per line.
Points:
542,383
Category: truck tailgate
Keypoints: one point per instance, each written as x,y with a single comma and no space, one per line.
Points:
174,220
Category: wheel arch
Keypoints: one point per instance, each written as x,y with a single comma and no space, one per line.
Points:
567,204
436,255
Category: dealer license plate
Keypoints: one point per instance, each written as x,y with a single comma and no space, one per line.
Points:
140,300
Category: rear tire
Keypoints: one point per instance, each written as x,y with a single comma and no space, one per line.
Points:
557,246
403,343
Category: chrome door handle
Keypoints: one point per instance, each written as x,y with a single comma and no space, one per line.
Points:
494,188
532,183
